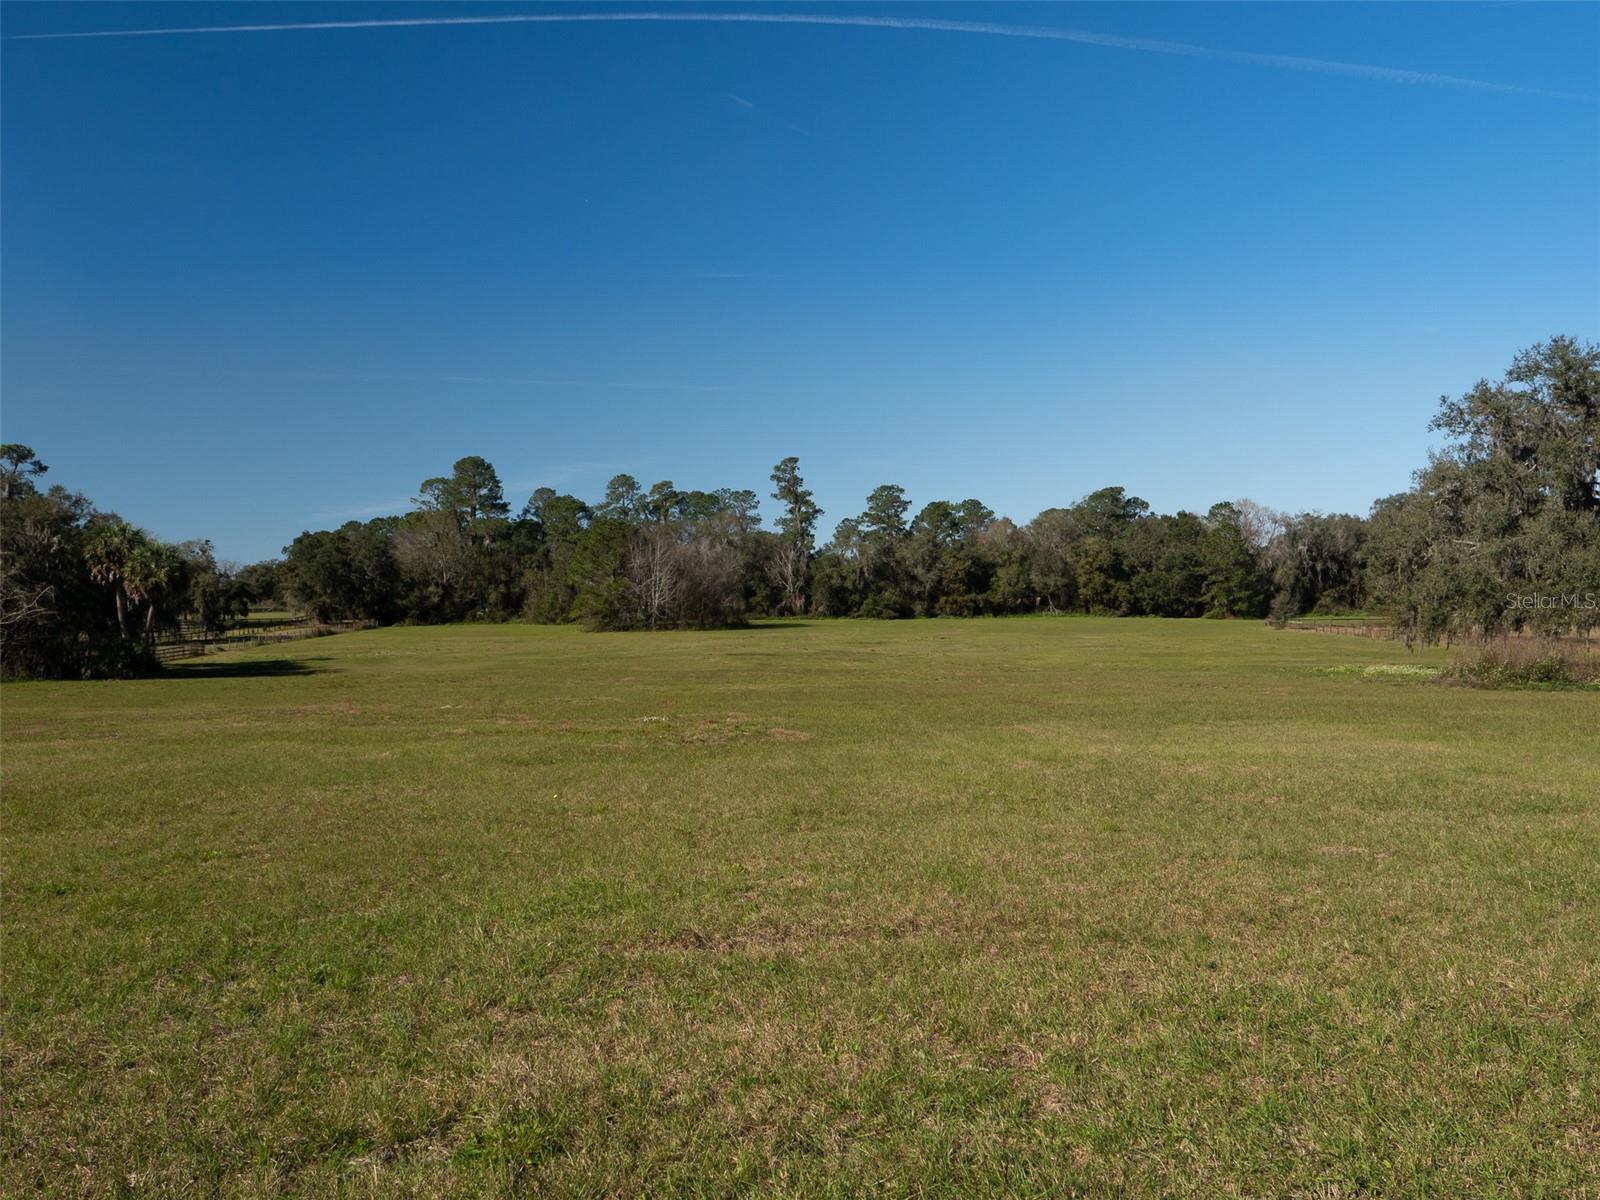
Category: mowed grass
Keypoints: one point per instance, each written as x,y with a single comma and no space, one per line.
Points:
942,908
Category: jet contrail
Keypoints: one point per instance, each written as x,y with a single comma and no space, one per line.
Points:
514,380
1041,32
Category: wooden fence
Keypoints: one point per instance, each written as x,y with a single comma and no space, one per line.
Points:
1366,629
1587,641
190,639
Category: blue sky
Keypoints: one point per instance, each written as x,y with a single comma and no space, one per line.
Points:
255,283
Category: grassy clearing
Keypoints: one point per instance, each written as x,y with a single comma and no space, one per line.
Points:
267,616
1034,906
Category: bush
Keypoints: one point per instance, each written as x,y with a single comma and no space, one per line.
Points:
1530,662
604,608
107,658
883,605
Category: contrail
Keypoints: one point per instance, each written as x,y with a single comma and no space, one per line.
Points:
515,380
1289,62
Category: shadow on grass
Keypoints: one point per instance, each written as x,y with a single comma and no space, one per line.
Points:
772,623
262,668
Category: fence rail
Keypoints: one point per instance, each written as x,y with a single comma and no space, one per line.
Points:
1586,640
190,640
1366,629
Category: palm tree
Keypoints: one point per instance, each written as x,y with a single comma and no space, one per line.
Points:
153,572
109,551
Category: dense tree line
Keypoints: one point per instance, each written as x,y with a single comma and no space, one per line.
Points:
1502,530
662,558
667,558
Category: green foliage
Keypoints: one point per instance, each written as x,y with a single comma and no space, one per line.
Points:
216,596
885,516
346,574
263,582
1235,585
789,565
1107,554
57,618
470,494
884,604
1099,571
1317,563
83,594
1502,531
19,469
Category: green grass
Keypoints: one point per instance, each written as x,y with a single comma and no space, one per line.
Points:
1340,619
1035,906
266,616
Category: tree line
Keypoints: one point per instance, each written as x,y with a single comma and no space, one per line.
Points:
664,557
1507,511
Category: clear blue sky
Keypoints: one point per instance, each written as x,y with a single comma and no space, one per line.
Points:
261,282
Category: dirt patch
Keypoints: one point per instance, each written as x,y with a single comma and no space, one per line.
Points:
736,727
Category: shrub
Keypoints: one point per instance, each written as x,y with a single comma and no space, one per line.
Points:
1281,611
1522,663
883,605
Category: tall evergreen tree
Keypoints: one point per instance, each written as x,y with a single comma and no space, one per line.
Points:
797,526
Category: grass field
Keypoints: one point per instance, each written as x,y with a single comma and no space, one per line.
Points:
1035,906
266,616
